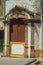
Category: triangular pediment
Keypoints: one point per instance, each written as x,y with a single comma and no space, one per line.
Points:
19,10
23,13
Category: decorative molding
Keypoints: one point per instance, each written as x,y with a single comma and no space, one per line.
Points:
17,12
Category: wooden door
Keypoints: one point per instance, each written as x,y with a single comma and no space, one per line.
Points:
17,38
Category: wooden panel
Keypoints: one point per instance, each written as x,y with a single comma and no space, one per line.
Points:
32,34
26,39
21,31
17,31
13,31
32,41
17,54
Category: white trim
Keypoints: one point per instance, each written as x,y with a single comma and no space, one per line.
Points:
5,39
29,39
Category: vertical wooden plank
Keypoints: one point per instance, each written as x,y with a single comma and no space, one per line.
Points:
32,40
17,32
8,38
26,39
32,34
13,31
21,31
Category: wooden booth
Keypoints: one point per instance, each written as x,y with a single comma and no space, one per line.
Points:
16,32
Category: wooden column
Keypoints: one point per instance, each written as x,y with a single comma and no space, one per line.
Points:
6,38
32,41
26,39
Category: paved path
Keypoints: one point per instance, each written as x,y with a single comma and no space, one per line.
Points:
17,61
